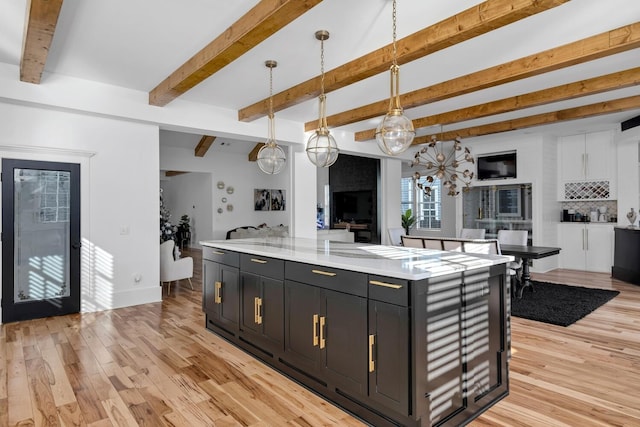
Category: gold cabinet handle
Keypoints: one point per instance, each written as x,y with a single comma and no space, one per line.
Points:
372,364
324,273
385,284
323,342
217,253
218,295
315,330
255,309
259,322
259,261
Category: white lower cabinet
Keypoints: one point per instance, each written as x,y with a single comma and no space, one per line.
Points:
586,246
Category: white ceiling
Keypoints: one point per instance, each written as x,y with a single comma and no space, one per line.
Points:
136,44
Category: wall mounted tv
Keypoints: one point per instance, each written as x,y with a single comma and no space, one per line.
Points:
497,166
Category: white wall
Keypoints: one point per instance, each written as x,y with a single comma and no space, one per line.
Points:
236,171
191,194
119,191
536,165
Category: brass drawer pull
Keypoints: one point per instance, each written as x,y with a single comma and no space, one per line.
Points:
218,297
323,342
217,253
255,310
259,322
324,273
372,364
259,261
386,285
315,330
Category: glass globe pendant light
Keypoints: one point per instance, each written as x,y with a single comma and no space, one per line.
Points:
271,158
395,132
322,149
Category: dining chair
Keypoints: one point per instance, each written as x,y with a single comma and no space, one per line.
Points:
452,245
432,244
514,237
412,242
395,234
174,269
489,246
472,233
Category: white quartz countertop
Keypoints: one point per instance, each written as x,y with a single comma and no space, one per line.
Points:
391,261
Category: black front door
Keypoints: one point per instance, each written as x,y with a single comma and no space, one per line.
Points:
40,239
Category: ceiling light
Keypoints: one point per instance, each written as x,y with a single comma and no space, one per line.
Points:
444,167
395,132
322,149
271,157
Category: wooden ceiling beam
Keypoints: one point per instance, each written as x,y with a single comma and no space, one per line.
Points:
253,155
40,25
262,21
204,145
174,173
585,111
477,20
564,92
599,46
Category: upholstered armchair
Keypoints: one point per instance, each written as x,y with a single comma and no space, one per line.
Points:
174,269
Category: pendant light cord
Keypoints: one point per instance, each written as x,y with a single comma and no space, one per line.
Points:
394,99
272,127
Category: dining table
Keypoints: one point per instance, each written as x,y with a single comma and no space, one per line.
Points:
527,253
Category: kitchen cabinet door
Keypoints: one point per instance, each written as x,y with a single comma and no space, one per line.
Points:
599,248
262,314
221,294
571,240
301,327
586,247
326,335
343,341
389,355
572,158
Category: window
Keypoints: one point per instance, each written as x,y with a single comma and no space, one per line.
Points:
426,209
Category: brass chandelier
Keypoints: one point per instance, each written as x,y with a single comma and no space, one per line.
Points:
443,165
271,158
322,148
395,132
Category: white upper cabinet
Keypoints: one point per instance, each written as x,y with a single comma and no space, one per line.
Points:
586,165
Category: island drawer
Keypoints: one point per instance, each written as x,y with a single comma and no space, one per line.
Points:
349,282
263,266
388,289
221,256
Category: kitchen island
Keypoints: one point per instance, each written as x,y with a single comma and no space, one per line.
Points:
396,336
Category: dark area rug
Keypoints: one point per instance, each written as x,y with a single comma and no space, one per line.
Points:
559,304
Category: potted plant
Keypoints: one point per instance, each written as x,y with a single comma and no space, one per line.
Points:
408,220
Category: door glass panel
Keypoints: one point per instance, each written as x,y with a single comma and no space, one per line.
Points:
41,227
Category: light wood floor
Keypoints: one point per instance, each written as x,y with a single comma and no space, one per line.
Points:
156,365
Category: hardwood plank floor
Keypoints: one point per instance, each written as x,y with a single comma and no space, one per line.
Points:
156,364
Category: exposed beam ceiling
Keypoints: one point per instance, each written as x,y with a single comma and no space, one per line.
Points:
601,45
266,18
599,108
592,86
463,26
40,25
204,144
